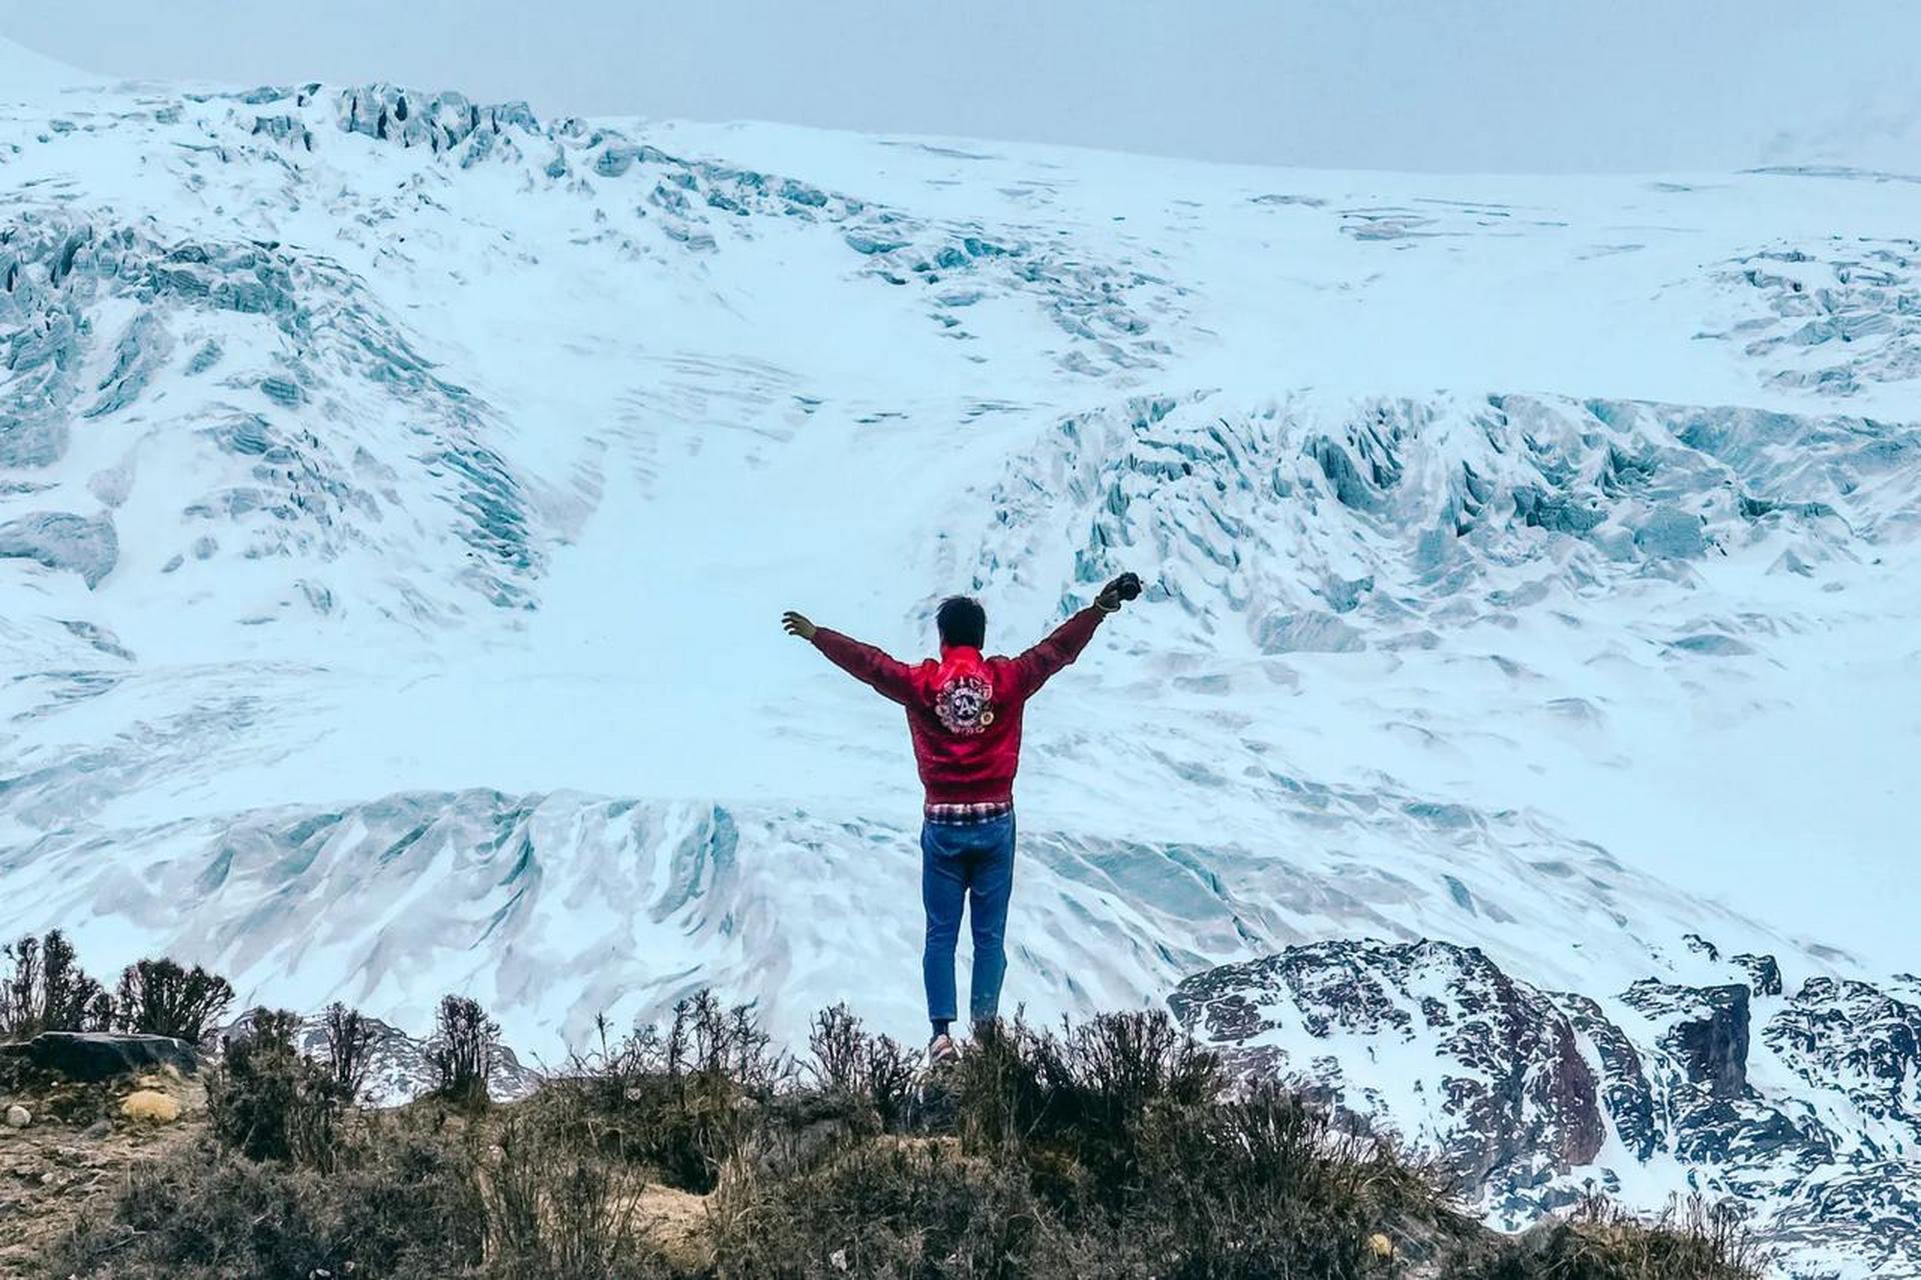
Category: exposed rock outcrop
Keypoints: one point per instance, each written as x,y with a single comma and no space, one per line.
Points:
1512,1094
1707,1029
93,1056
1806,1109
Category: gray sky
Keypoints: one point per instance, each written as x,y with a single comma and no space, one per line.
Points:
1511,85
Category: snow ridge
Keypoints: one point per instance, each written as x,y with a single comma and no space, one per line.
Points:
287,372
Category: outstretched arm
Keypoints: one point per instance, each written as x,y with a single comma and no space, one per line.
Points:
887,676
1037,665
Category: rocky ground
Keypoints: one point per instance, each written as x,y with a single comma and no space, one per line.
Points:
790,1175
65,1147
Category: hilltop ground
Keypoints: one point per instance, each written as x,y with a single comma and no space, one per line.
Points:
1112,1149
80,1148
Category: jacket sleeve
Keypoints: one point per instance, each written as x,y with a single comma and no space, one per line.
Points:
887,676
1033,668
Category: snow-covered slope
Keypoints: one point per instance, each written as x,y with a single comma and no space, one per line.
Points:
1876,136
397,496
26,76
1795,1099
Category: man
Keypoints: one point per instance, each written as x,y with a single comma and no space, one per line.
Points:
964,715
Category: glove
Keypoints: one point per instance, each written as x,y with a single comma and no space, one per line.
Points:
1126,587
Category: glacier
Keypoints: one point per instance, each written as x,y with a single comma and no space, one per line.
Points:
398,494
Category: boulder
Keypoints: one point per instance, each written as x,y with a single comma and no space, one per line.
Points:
101,1055
152,1107
18,1117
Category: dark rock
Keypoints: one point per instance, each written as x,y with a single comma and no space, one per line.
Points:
1707,1031
100,1055
1764,974
1847,1036
1714,1116
1518,1095
1701,946
1716,1047
1624,1083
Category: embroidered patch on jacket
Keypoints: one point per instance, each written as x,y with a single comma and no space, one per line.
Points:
965,705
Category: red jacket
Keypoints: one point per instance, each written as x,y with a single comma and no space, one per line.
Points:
963,710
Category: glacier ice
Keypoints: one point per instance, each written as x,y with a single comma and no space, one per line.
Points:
62,541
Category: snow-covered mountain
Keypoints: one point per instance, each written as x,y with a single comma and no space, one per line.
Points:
397,496
1797,1102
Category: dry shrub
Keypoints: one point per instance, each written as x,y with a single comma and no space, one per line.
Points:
350,1040
162,998
876,1070
465,1045
403,1207
45,989
559,1211
1082,1098
889,1211
1601,1241
681,1100
268,1101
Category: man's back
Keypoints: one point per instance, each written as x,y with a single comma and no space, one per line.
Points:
964,710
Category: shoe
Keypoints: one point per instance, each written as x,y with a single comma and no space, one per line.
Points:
941,1051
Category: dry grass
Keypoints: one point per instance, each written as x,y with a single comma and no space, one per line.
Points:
1111,1149
1599,1241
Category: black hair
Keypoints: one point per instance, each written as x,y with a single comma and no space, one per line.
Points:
962,622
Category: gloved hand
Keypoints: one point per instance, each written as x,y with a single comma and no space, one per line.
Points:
1124,588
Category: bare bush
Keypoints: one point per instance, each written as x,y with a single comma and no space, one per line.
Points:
466,1042
708,1039
268,1101
681,1098
159,997
350,1039
561,1211
844,1058
46,990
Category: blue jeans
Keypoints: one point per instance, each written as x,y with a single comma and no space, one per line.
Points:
971,865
